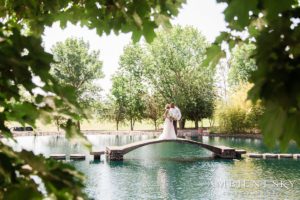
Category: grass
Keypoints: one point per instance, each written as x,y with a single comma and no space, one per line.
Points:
94,124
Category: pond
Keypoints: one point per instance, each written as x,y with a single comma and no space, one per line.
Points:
178,171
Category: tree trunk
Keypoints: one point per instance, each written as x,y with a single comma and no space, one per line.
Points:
211,122
78,125
155,125
57,124
196,124
117,125
131,124
182,124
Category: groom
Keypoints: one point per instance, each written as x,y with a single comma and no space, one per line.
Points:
177,115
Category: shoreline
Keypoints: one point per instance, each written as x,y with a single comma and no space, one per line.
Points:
246,136
181,133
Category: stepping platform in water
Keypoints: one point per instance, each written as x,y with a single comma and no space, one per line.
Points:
58,156
285,155
297,156
270,155
240,152
77,157
97,154
255,155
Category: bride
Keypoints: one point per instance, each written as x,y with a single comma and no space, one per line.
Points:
168,131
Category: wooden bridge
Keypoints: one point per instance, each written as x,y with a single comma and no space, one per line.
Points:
118,152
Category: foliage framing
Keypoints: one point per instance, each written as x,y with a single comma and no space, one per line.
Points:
22,57
273,27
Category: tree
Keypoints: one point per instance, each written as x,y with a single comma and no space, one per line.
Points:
154,108
22,57
273,28
200,97
173,68
131,73
111,109
241,64
119,99
76,66
221,79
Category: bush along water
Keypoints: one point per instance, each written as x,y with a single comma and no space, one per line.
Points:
237,114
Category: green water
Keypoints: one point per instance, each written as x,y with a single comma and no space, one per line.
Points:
178,171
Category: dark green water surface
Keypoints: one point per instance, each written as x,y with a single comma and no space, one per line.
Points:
178,171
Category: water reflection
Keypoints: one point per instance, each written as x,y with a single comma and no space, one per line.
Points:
175,171
162,180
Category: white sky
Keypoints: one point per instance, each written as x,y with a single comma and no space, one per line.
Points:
205,15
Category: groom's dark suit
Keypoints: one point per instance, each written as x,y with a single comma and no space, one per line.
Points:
175,126
175,121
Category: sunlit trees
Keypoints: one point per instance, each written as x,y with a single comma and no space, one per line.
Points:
174,69
113,108
171,68
242,65
77,66
128,86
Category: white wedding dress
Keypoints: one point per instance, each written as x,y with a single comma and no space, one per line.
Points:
168,131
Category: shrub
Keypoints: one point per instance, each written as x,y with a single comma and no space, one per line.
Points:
238,115
232,120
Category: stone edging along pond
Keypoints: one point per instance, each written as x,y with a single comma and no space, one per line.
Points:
181,133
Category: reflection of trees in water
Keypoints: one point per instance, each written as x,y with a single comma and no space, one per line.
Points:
127,139
163,183
249,144
59,144
170,151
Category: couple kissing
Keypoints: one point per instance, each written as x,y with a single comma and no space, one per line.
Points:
172,115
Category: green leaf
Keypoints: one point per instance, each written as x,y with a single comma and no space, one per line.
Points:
272,124
239,9
274,7
148,31
136,35
213,55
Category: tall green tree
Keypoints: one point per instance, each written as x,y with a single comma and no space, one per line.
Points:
173,67
200,94
241,64
131,71
119,100
77,66
22,57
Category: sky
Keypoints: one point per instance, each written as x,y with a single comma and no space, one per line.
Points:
205,15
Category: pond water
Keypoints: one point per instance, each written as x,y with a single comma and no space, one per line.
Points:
178,171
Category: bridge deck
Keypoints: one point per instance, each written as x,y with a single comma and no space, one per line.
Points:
117,152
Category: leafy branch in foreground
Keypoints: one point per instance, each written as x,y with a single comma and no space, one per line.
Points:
273,27
23,59
37,177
